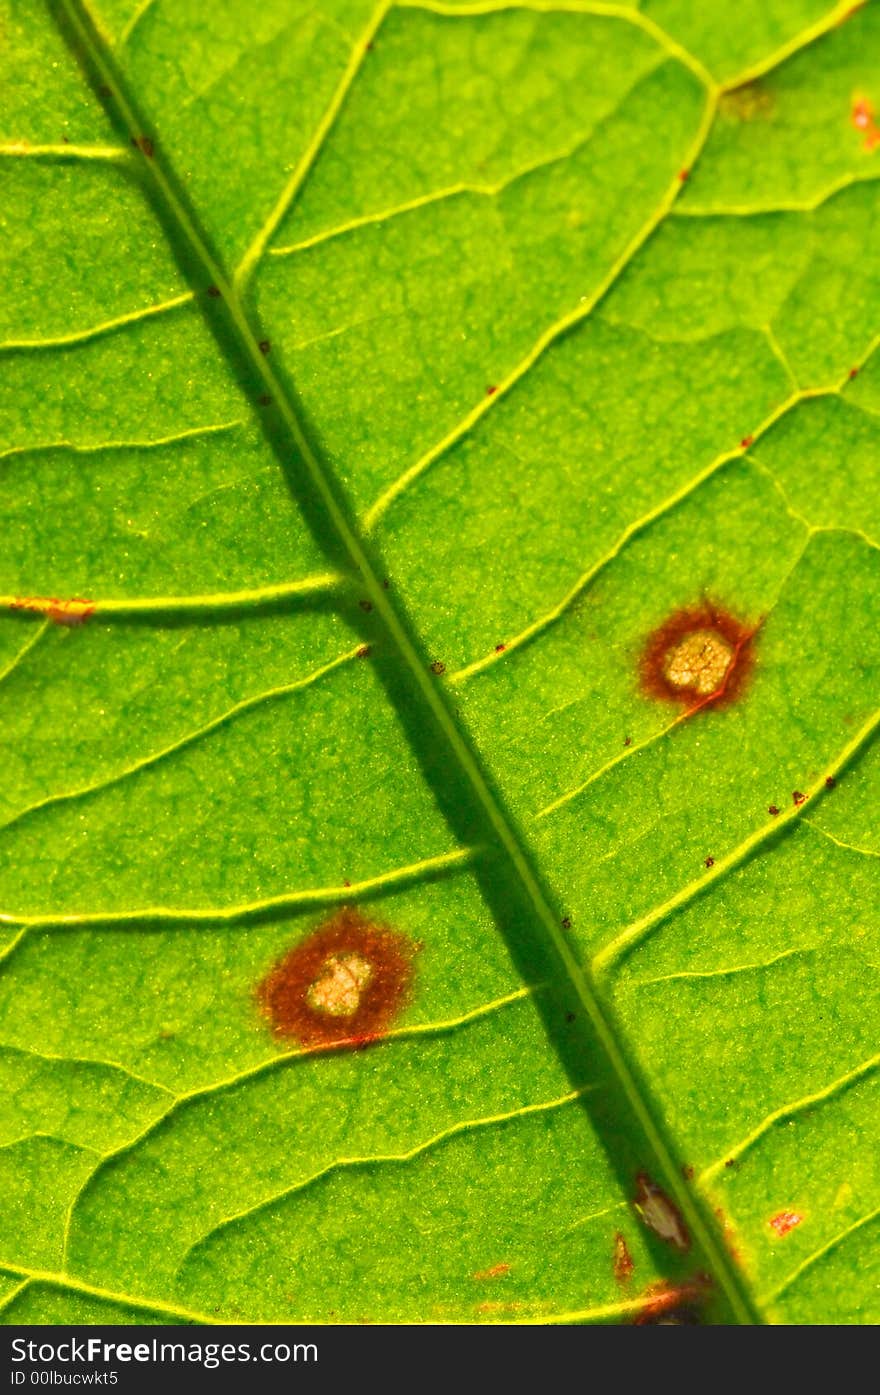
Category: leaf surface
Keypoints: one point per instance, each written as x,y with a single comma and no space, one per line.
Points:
377,382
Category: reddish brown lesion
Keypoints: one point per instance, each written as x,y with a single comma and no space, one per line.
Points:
864,119
341,986
664,1302
495,1271
74,610
700,656
623,1260
785,1221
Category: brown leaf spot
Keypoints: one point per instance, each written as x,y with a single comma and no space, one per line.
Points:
74,611
864,121
699,657
438,666
495,1271
772,810
341,986
798,798
784,1222
623,1260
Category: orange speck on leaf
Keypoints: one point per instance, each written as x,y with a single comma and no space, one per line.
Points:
623,1260
74,611
495,1271
662,1300
784,1222
863,119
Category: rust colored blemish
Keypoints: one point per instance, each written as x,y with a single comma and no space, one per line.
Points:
364,651
144,144
566,922
438,666
623,1260
863,119
500,648
830,782
700,657
853,373
746,442
672,1304
341,986
264,346
74,611
728,1235
772,810
731,1162
784,1222
492,388
687,1171
683,176
495,1271
798,798
660,1213
710,862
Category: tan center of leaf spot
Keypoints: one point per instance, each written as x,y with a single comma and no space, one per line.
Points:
699,662
338,989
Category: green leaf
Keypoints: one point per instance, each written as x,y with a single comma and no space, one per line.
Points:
377,383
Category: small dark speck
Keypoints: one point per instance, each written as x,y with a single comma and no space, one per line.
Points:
493,387
66,140
853,373
710,862
772,809
365,605
438,666
143,143
830,782
264,399
370,46
798,798
385,583
684,175
570,1017
730,1162
345,881
747,441
566,922
500,648
265,346
212,290
627,741
104,90
364,651
687,1171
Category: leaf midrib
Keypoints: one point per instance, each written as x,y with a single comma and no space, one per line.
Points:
181,220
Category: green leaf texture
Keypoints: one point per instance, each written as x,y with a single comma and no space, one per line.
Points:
375,382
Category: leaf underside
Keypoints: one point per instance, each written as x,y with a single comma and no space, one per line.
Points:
375,383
